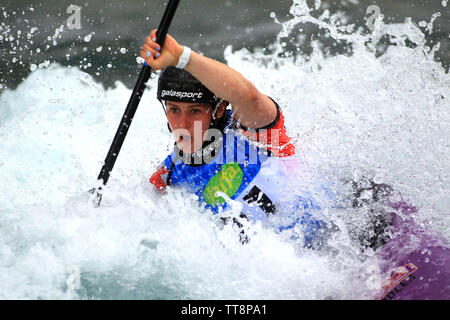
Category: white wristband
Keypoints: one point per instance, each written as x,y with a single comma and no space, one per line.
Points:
184,58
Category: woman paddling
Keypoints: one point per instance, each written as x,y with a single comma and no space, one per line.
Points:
230,140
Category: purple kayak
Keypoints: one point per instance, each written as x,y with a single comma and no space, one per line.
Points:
415,262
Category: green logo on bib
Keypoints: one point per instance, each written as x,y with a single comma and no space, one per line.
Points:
227,180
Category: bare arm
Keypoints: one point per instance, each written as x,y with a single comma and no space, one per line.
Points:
252,108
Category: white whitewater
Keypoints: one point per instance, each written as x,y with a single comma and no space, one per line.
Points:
352,116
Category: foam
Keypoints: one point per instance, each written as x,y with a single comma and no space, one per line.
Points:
358,115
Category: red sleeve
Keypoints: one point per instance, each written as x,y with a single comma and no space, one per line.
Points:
159,178
274,137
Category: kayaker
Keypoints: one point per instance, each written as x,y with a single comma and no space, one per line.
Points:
230,140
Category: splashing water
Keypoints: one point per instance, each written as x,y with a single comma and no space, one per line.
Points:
365,113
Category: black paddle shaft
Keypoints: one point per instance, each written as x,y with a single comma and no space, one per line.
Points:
135,97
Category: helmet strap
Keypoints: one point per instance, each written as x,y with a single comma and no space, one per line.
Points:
162,105
216,109
165,112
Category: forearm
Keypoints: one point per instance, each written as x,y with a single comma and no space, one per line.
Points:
251,107
224,81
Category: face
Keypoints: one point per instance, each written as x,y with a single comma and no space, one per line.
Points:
189,123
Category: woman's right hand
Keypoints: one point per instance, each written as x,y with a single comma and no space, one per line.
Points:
159,59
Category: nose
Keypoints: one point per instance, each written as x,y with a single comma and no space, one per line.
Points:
185,121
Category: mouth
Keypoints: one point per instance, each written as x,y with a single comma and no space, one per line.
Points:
185,138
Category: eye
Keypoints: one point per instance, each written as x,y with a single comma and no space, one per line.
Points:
173,109
196,111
